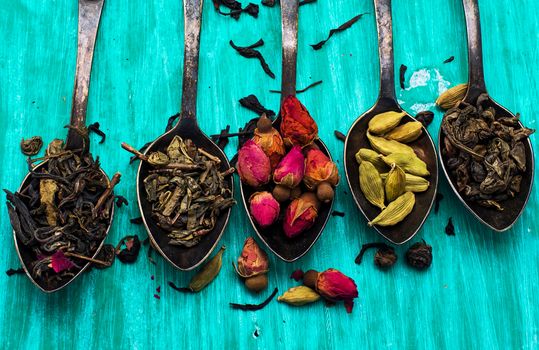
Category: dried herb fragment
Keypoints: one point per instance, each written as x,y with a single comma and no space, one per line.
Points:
419,255
385,258
337,213
31,146
450,228
250,52
301,90
255,307
252,103
95,129
297,275
367,246
425,117
11,272
340,28
439,197
129,254
402,72
450,59
339,135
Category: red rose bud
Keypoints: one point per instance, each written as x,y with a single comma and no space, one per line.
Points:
300,214
297,125
253,165
290,170
319,168
269,139
253,260
264,208
336,286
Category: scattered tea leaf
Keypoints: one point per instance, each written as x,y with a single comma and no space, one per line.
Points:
439,197
129,254
339,135
11,272
95,129
250,52
305,2
450,59
31,146
235,8
337,213
425,117
137,221
450,228
255,307
402,72
252,103
120,201
179,289
340,28
367,246
269,3
301,90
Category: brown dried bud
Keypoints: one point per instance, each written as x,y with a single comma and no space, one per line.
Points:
281,193
385,258
257,283
419,255
309,278
295,193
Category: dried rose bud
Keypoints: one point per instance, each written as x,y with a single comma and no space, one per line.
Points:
300,214
257,283
419,255
297,126
253,260
290,170
264,208
333,285
319,168
281,193
253,165
325,192
269,139
385,257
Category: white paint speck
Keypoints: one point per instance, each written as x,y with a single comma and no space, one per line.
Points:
419,78
443,84
420,107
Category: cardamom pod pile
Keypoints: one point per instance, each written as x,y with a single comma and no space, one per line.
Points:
391,172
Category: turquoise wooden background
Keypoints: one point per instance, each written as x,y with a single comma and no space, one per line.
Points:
481,291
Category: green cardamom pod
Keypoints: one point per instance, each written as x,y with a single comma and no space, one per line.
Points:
396,211
413,183
299,295
408,162
371,185
207,273
406,133
384,122
449,98
371,156
387,147
395,183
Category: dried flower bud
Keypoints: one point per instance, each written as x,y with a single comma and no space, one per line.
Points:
325,192
281,193
290,170
253,165
264,208
310,277
269,139
300,214
319,168
333,285
385,258
419,255
252,261
257,283
299,295
297,126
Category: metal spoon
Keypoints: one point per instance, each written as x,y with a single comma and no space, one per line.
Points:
356,139
273,237
88,24
513,208
187,127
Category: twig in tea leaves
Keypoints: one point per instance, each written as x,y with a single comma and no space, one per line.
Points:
252,103
301,90
368,246
339,135
254,307
402,72
95,128
340,28
450,228
250,52
450,59
11,272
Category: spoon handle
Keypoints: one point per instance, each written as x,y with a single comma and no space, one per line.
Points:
192,12
289,24
476,78
385,49
89,16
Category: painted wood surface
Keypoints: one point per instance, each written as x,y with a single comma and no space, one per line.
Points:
481,291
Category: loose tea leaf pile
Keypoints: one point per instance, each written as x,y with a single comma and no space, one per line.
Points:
187,191
62,213
484,152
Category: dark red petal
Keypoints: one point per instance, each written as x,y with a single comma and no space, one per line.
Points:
297,275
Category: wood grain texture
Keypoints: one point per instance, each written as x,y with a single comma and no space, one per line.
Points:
481,291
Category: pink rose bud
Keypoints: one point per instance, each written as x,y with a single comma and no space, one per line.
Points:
300,214
319,168
253,165
336,286
297,125
264,208
253,260
289,171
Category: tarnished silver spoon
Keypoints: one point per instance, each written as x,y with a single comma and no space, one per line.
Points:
513,208
289,249
356,139
187,127
88,24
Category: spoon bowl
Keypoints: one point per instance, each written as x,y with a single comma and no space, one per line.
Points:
357,138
